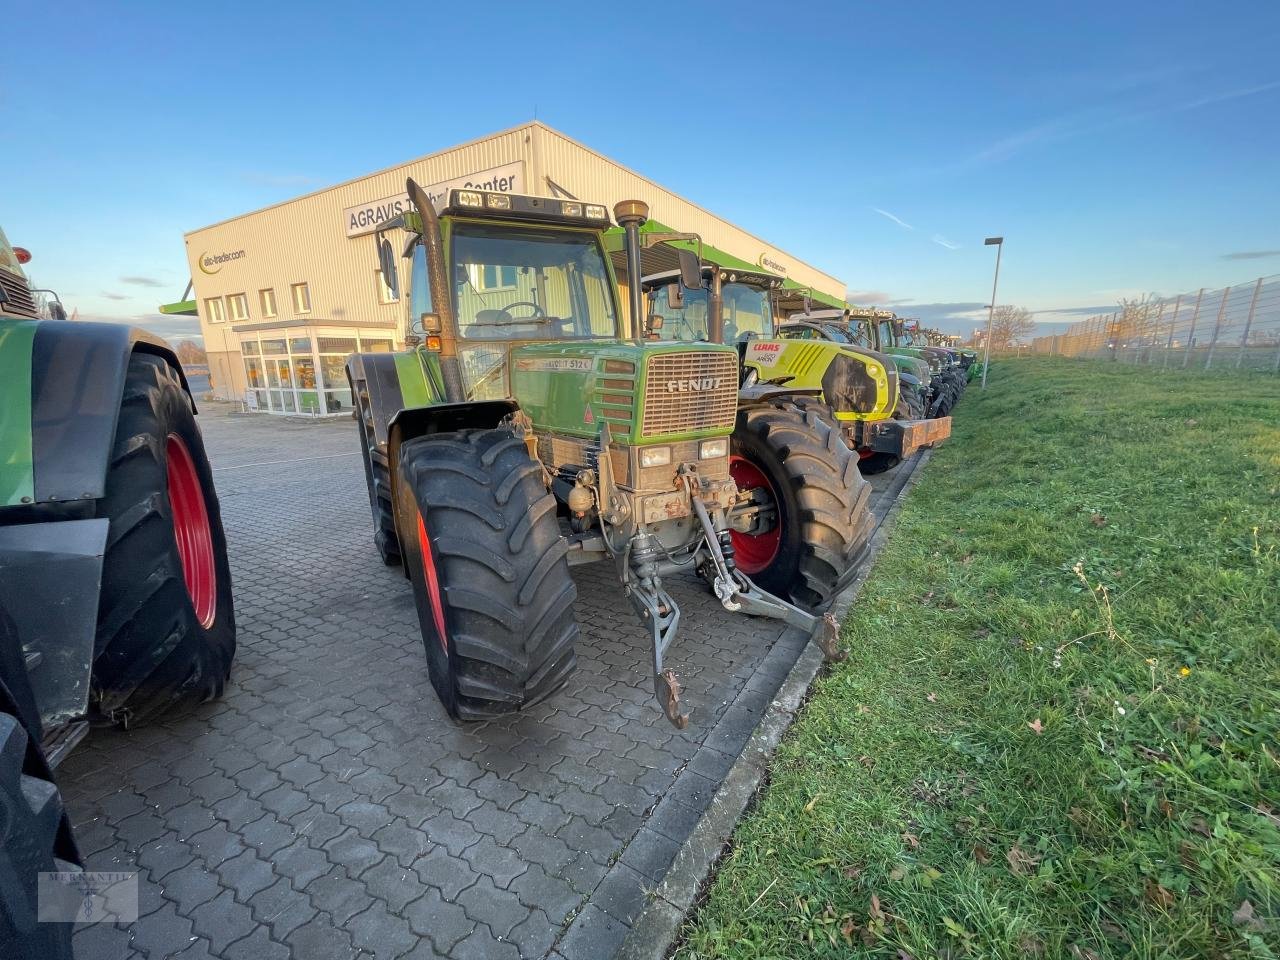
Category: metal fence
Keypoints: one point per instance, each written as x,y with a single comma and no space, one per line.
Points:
1229,329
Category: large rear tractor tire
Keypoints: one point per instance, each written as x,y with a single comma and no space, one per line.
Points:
166,627
35,838
489,570
377,475
821,521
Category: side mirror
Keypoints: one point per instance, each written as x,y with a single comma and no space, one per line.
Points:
387,264
690,269
899,328
56,312
675,295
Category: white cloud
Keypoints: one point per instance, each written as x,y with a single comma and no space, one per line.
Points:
889,216
942,241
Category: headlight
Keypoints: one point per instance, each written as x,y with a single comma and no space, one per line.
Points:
711,449
470,198
499,201
597,212
655,456
873,369
571,209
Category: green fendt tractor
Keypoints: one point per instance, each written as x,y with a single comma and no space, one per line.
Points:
115,594
529,428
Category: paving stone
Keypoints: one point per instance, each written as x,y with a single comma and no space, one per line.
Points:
300,863
623,893
257,946
482,945
319,939
445,923
317,825
499,909
402,842
534,935
450,832
161,934
161,857
535,888
268,835
103,941
650,854
353,853
492,859
216,844
593,935
393,884
674,819
189,889
222,921
339,896
534,846
381,934
448,874
245,875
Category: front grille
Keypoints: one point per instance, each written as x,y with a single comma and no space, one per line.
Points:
690,393
18,301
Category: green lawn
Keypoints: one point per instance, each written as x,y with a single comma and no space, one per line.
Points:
1058,733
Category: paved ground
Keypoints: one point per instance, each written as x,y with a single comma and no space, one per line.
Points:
327,807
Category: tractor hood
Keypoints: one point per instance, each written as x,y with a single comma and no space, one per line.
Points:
653,392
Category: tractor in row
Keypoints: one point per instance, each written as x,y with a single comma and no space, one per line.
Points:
115,591
533,425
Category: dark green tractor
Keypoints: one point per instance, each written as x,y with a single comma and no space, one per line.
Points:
115,592
531,427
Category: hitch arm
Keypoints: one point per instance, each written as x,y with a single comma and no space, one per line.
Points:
738,593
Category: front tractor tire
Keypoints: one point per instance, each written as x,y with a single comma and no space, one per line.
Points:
821,520
166,626
491,581
377,475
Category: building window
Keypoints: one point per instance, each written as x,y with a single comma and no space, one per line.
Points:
301,298
267,298
214,311
239,306
497,278
384,292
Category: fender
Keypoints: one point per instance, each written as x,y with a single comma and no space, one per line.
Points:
910,379
443,418
77,376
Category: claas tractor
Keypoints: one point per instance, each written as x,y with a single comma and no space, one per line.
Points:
853,390
530,427
115,593
888,334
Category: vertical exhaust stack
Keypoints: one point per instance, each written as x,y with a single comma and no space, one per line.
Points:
631,216
441,300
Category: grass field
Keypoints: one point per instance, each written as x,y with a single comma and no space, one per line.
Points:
1058,733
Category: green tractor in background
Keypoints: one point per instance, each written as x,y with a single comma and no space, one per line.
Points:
530,428
886,333
115,592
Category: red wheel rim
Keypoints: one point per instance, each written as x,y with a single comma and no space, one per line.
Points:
192,530
432,582
754,552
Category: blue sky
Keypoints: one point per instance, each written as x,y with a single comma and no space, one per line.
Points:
1120,148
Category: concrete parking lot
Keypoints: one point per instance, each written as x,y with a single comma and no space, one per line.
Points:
327,806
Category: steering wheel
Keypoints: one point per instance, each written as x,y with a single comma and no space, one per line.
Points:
538,312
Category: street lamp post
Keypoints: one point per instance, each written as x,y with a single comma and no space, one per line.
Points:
998,242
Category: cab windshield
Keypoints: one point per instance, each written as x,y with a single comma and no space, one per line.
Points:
519,284
747,313
529,284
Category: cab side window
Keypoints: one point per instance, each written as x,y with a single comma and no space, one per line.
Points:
420,291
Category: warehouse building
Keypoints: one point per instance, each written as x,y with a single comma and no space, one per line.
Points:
285,293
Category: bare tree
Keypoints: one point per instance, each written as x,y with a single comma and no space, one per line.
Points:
1009,325
1129,328
190,352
